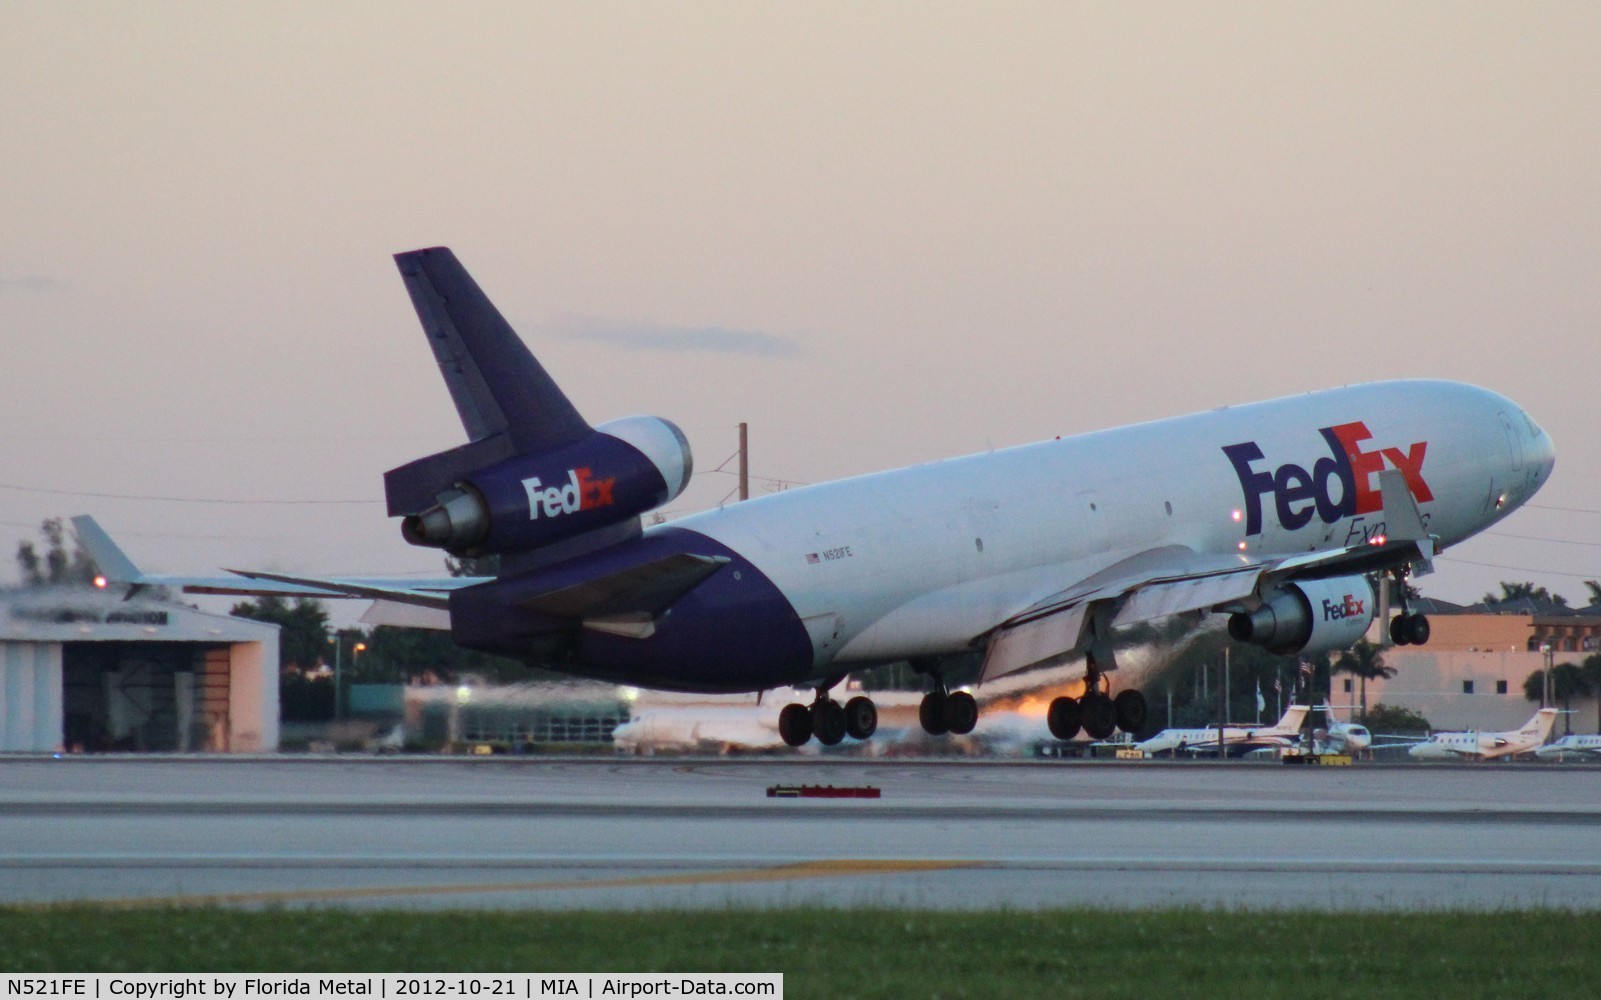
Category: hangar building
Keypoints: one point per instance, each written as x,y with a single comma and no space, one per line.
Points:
83,670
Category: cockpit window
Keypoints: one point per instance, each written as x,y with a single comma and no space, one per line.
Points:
1534,428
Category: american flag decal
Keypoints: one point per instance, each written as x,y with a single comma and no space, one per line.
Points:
811,558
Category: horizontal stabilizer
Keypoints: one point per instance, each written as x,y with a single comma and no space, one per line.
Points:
649,588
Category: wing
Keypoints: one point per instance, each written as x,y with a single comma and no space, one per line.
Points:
1174,579
405,600
624,601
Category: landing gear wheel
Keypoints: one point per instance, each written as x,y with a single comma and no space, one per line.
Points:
961,713
1401,630
1063,718
1129,707
931,713
861,718
795,725
1418,629
828,722
1100,718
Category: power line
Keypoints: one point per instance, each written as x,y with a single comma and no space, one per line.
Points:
130,496
1537,538
1570,510
1521,569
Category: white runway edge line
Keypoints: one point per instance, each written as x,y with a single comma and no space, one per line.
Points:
412,986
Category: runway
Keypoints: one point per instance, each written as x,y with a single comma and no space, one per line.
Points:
612,833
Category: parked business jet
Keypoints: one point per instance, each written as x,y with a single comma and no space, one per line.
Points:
1489,746
1341,737
1237,740
1279,514
1572,746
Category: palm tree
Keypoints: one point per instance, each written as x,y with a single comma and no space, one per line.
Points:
1568,681
1364,661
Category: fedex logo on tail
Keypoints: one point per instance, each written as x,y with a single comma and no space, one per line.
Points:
582,491
1299,494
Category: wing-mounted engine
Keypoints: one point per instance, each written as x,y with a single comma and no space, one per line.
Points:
621,470
1308,616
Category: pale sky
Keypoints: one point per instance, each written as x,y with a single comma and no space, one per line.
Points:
879,234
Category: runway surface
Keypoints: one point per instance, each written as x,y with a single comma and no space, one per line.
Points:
557,833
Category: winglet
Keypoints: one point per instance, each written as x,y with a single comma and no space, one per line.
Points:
113,563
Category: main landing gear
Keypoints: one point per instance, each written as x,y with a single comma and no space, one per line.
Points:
942,711
827,720
1097,713
1407,629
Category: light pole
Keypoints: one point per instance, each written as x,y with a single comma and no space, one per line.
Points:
339,648
1550,654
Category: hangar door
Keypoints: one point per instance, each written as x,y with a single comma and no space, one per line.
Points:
145,696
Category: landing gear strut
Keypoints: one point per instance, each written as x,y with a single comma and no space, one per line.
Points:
1097,713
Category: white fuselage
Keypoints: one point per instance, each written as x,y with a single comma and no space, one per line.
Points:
921,560
1572,747
1488,746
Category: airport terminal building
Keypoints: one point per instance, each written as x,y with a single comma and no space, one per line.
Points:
83,670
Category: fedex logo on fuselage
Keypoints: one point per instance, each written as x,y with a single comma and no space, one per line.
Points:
1299,494
581,491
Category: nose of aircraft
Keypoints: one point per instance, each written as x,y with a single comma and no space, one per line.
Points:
1542,449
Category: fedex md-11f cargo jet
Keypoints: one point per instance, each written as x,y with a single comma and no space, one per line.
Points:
1281,515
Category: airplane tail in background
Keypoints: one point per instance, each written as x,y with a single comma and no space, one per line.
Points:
1291,721
1539,725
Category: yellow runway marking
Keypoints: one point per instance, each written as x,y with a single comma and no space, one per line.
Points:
777,873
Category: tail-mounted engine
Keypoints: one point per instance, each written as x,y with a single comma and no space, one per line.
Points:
1308,616
533,471
622,469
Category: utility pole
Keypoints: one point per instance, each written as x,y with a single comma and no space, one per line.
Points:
1222,703
744,464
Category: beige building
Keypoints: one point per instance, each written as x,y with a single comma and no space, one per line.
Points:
1471,673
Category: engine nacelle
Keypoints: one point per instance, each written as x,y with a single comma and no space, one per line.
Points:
1308,616
625,468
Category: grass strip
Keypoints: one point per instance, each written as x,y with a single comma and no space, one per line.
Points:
864,953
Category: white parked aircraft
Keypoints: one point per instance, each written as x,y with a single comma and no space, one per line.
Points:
1237,740
1489,746
1342,737
1573,746
1278,514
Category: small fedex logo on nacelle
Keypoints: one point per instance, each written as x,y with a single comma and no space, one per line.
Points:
1348,608
1298,494
582,491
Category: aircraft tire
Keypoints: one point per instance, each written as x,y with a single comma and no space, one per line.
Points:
795,725
861,718
828,722
1100,718
1063,718
1418,629
1401,630
1131,710
931,714
961,713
